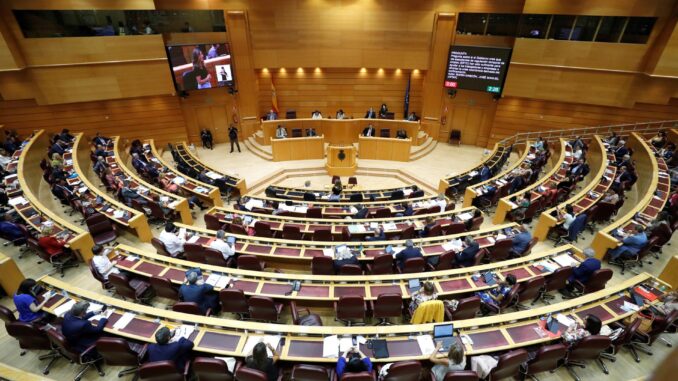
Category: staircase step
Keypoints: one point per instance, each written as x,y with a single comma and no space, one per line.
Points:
258,149
420,151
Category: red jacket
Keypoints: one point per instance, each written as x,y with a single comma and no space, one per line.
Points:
51,245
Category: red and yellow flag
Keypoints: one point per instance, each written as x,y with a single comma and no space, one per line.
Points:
274,98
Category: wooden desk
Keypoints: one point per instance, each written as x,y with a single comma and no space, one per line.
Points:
338,131
340,204
337,166
205,192
11,275
374,148
190,159
133,220
670,272
11,373
649,181
295,193
176,203
497,181
226,337
597,157
79,240
304,148
325,289
495,160
549,181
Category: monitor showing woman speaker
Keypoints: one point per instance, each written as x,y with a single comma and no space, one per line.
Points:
201,66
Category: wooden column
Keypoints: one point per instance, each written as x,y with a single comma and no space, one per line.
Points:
670,272
443,30
245,77
11,275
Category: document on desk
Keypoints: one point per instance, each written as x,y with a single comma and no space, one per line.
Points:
213,175
254,340
328,252
426,344
453,245
193,239
353,229
118,214
182,331
62,309
565,260
564,320
345,343
103,315
465,216
390,226
331,346
230,362
17,201
124,320
95,307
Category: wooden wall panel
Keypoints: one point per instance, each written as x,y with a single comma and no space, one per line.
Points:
667,64
600,7
82,4
444,29
470,112
16,85
515,115
328,90
158,117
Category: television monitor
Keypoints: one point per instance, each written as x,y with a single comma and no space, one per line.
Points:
200,66
479,68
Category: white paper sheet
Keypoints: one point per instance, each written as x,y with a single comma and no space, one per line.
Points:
230,362
182,331
124,320
65,307
426,344
565,260
331,346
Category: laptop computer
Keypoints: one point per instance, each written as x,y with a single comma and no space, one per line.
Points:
413,285
444,333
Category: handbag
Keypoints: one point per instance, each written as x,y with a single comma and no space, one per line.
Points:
646,319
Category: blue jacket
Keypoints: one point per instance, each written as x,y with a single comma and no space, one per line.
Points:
362,213
177,352
407,253
485,173
80,333
341,365
10,230
520,242
197,293
466,257
634,243
584,271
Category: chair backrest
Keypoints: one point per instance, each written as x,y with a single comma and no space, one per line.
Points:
455,228
598,280
211,369
382,213
358,376
248,374
122,286
350,270
28,335
532,209
163,288
212,222
249,262
480,255
356,197
467,308
388,305
296,132
214,257
353,180
116,351
385,133
263,229
159,247
529,247
404,371
96,274
59,342
6,315
160,371
435,231
233,300
508,365
629,332
548,358
588,348
322,235
98,224
351,307
501,249
558,279
314,213
414,265
262,308
306,372
291,232
661,324
238,229
322,265
477,221
446,261
511,297
187,308
382,264
461,375
605,211
407,233
194,252
531,289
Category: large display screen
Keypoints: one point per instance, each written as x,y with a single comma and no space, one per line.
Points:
477,68
202,66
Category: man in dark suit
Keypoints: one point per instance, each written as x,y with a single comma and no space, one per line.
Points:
521,241
272,115
485,173
197,291
578,170
466,257
408,252
100,140
78,330
361,213
178,351
58,147
369,131
416,192
620,150
584,271
370,114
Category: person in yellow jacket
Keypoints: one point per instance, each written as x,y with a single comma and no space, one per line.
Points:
424,294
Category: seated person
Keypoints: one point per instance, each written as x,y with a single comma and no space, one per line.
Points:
583,272
59,147
174,242
101,151
416,192
659,140
370,114
128,194
567,216
620,150
340,114
272,115
612,140
9,229
625,162
316,115
378,235
496,295
227,248
311,132
408,210
408,252
369,131
383,111
429,223
78,330
518,214
178,351
260,361
576,332
401,134
454,361
50,244
426,293
610,197
577,143
353,361
197,291
344,256
521,241
57,160
468,224
335,196
102,263
280,132
623,175
412,117
566,183
630,246
578,170
485,173
441,201
26,302
466,257
362,212
62,191
99,140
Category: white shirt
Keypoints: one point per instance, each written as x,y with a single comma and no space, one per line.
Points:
173,243
317,116
577,154
102,263
226,250
280,133
442,204
569,219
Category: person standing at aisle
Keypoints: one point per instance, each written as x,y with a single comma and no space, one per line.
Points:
233,136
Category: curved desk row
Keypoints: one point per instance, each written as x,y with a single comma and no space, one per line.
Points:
356,227
90,194
300,253
11,275
32,210
145,189
225,337
590,195
325,289
294,193
338,131
557,172
495,161
500,179
189,158
654,186
205,192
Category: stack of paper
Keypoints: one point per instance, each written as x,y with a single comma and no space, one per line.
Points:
179,180
491,240
331,346
252,203
65,307
118,214
17,201
200,189
628,307
453,245
565,260
328,252
103,315
426,344
193,239
124,320
353,229
464,216
182,331
345,343
230,362
218,281
564,320
213,175
550,267
300,209
390,226
95,307
500,236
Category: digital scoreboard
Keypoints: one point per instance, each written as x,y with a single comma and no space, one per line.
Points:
477,68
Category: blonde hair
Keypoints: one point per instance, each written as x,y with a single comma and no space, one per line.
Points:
456,353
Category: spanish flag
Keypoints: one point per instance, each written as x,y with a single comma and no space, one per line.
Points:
274,98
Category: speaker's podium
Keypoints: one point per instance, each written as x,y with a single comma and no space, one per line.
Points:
341,160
